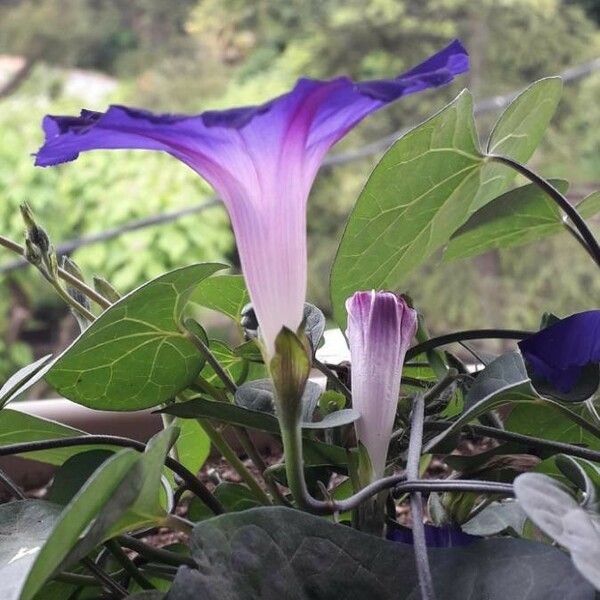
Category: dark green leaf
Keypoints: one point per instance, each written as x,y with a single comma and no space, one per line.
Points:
234,496
503,381
552,508
134,356
259,395
23,379
574,471
586,386
520,216
226,294
338,418
546,420
499,517
73,474
314,324
76,518
147,595
278,553
224,412
24,527
416,197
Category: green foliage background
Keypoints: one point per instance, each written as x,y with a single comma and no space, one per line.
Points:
191,55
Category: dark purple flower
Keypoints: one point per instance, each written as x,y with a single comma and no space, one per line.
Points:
435,537
559,352
261,160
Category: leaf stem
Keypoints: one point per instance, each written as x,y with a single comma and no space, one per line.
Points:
415,445
107,581
332,378
520,438
11,486
234,460
128,565
560,199
156,554
468,334
91,293
193,483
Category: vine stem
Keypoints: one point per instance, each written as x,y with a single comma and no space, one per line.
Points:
520,438
332,378
467,334
193,483
415,445
560,199
91,293
241,432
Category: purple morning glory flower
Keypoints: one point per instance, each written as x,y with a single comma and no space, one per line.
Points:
261,160
559,352
381,326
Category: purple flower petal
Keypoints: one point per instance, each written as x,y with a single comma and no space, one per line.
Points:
435,537
261,160
559,352
380,328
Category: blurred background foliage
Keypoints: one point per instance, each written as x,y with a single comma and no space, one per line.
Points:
57,56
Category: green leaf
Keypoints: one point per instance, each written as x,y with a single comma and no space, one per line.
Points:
134,356
416,197
259,395
497,518
314,324
24,527
226,294
73,474
236,366
273,553
147,509
225,412
552,508
193,444
547,421
517,134
330,401
147,595
574,471
503,381
23,379
590,205
520,216
17,427
339,418
521,126
77,516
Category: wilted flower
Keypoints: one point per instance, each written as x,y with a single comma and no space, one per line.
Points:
559,352
261,160
381,326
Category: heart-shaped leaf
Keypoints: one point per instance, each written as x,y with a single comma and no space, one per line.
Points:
226,294
134,355
415,199
273,553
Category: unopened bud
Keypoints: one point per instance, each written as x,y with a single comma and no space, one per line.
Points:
105,289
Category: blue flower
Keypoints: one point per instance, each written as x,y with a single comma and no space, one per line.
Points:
261,160
559,352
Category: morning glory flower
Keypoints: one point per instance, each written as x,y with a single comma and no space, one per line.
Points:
381,326
261,160
559,352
